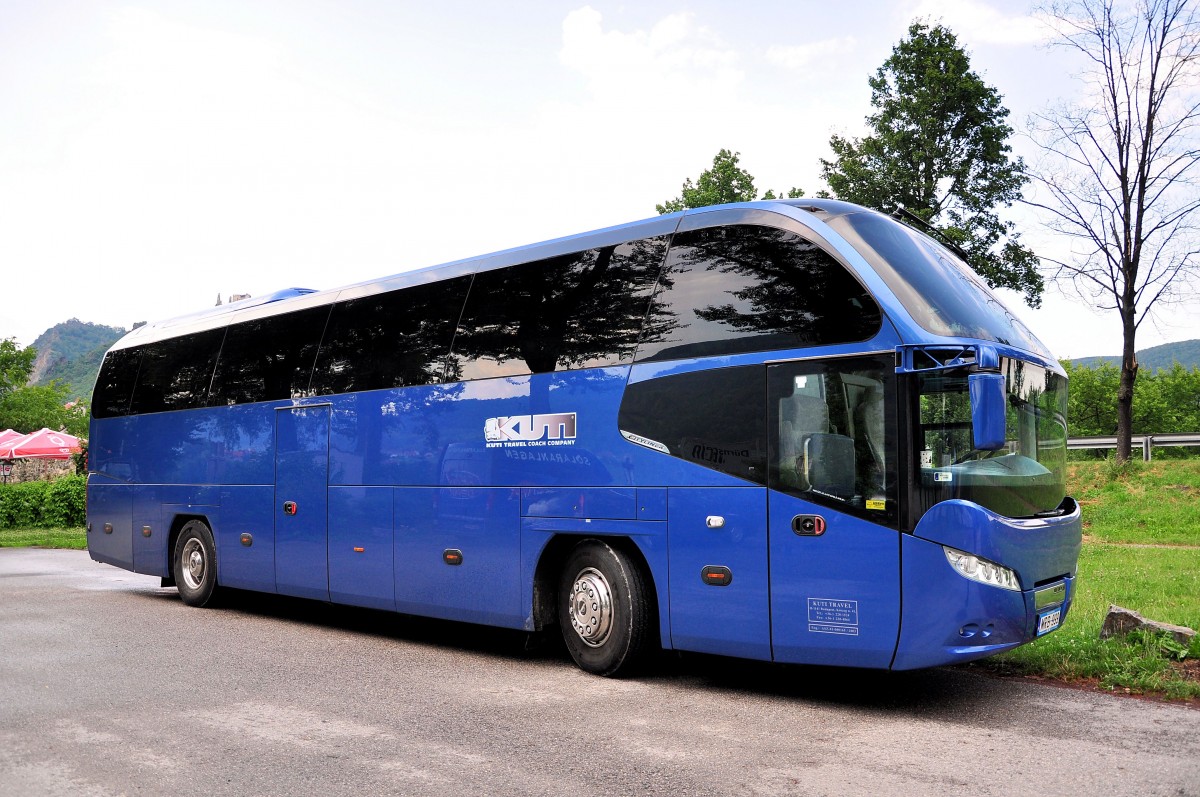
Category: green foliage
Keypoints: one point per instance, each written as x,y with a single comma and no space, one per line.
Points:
1144,503
73,538
71,353
16,364
939,147
27,409
1166,401
31,408
792,193
1160,642
724,182
60,503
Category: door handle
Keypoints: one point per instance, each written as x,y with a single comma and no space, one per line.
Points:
808,525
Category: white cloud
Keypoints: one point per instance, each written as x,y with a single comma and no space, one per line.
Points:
675,53
977,21
804,55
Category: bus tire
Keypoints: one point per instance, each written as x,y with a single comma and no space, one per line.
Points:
195,564
604,609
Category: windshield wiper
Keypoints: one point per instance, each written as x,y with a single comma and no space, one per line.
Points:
904,214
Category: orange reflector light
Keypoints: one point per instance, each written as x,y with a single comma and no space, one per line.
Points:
358,549
716,575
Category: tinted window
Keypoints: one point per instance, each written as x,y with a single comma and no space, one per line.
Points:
832,428
392,339
712,418
939,291
175,373
268,358
746,288
114,383
576,311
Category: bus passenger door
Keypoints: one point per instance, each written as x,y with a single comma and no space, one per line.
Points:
301,501
834,549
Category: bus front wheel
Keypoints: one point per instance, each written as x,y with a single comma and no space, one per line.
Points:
195,563
604,609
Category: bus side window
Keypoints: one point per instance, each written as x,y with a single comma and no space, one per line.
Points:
831,434
712,418
268,358
114,384
396,339
175,373
582,310
743,287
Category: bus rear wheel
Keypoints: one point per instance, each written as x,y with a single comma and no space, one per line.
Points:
195,563
604,609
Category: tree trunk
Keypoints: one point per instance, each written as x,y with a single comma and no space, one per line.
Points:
1129,369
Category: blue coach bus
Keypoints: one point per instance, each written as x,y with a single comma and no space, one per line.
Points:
797,431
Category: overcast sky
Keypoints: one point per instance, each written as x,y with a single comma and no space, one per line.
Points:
156,154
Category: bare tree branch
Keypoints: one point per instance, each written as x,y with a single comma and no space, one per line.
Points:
1121,171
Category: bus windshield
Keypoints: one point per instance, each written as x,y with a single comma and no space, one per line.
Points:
941,293
1026,477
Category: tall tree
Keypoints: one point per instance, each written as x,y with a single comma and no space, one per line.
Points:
16,364
26,408
1120,171
939,148
724,182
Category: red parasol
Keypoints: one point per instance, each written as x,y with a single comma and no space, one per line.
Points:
42,444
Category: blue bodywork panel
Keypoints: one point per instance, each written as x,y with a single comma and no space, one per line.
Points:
484,524
302,502
733,620
246,509
362,547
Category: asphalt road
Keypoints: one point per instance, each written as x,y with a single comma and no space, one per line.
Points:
110,686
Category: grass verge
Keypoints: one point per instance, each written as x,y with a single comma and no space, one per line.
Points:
1155,503
1141,551
44,538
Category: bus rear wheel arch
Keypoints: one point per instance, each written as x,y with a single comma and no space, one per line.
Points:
605,608
195,563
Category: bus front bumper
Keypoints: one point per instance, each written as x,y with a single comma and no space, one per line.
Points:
947,618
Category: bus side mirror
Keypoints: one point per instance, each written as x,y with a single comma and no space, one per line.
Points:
987,410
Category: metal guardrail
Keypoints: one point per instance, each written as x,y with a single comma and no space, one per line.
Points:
1147,442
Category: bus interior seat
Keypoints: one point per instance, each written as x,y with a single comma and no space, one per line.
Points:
829,464
800,416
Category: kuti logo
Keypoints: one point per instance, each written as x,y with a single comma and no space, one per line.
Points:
519,431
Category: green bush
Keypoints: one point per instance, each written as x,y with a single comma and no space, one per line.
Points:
61,503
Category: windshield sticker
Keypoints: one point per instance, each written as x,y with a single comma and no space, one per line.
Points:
876,503
927,458
943,476
833,616
522,431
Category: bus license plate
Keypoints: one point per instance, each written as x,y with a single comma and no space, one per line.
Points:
1048,621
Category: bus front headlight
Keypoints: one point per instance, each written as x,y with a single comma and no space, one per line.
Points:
982,570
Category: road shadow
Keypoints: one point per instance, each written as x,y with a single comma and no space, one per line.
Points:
943,691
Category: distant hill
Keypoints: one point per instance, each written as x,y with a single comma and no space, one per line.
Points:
71,353
1185,352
